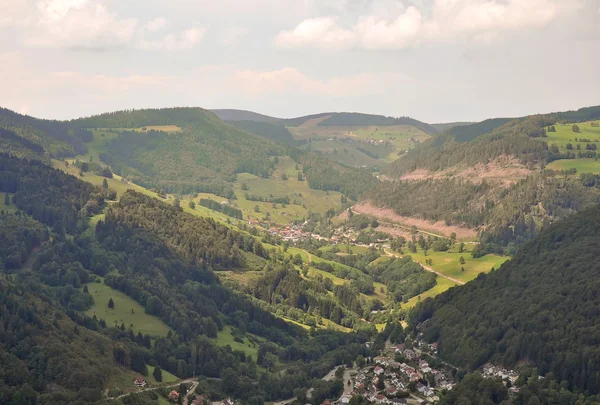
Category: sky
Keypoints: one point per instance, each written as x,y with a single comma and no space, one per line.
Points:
433,60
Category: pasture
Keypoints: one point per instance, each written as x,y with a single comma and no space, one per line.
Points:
442,285
126,310
225,337
564,134
448,263
581,165
306,199
384,144
166,376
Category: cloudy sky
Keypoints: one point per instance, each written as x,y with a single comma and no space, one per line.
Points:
434,60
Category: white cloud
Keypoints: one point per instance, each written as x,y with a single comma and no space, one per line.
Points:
91,25
232,35
446,20
172,42
156,24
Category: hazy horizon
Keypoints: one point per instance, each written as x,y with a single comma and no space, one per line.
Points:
433,60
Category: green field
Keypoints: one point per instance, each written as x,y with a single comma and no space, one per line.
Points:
327,138
564,134
448,263
442,285
581,165
224,338
167,377
126,311
314,200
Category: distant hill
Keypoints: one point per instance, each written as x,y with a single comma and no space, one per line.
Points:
203,157
333,119
274,131
441,127
57,138
540,308
465,133
358,119
243,115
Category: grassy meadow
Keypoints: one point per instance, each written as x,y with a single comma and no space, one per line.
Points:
166,376
308,199
341,143
448,263
225,337
564,135
442,285
587,165
126,310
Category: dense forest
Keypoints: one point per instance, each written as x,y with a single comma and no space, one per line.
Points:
272,131
323,174
519,312
58,138
205,159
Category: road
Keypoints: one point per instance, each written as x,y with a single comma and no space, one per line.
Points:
189,380
191,392
455,280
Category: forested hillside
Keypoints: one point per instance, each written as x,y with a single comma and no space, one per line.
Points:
273,131
495,182
358,119
540,308
57,138
158,256
204,159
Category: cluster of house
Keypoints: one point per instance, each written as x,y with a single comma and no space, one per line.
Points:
389,381
492,371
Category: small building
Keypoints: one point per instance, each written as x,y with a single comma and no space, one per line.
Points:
140,382
174,396
378,370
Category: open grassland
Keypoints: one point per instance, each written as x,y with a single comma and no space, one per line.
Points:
225,337
117,183
126,310
345,141
581,165
442,285
166,376
448,263
564,134
297,191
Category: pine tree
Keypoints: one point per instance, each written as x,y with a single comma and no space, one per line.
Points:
157,374
104,183
111,303
85,289
6,199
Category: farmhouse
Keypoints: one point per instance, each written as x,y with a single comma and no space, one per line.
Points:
140,382
174,396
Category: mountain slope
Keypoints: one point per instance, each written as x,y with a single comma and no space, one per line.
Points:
204,156
244,115
162,258
541,307
57,138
